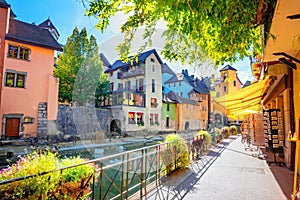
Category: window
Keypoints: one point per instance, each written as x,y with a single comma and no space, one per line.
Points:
174,84
131,117
111,74
153,103
234,83
180,83
154,119
153,68
127,85
141,84
111,86
120,86
224,88
181,94
153,86
18,52
15,79
168,107
153,60
140,118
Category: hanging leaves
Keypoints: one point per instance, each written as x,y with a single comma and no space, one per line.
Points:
208,29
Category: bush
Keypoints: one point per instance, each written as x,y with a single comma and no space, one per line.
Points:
206,137
179,148
233,130
225,131
41,186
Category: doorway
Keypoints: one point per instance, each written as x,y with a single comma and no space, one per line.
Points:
12,127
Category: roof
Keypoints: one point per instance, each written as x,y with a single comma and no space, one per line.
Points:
106,63
227,67
201,87
31,34
246,84
167,69
48,24
141,58
175,78
173,97
3,3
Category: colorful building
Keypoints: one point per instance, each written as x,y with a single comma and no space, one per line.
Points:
136,89
188,93
29,90
229,81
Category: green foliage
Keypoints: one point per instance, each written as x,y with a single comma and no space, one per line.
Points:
179,149
196,30
206,136
233,130
225,131
75,174
41,186
80,70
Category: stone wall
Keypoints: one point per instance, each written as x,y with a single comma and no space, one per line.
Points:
42,123
85,122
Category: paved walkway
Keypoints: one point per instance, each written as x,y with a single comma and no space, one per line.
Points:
228,172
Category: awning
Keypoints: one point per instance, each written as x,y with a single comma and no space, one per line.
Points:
245,100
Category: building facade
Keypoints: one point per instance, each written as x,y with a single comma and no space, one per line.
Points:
136,89
29,91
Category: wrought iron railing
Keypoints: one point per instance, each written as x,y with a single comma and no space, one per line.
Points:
130,174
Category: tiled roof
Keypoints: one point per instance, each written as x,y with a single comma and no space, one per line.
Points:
48,24
227,67
31,34
3,3
175,98
167,69
141,58
247,84
175,78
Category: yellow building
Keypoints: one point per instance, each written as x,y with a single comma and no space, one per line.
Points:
229,81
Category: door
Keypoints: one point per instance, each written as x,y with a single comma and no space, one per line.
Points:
167,122
12,127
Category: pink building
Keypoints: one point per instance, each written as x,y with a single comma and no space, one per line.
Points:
29,91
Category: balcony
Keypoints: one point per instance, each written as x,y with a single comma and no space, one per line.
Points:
129,98
139,71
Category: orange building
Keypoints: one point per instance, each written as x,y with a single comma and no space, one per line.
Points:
229,81
29,91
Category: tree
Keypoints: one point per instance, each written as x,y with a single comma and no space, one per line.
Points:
79,69
220,30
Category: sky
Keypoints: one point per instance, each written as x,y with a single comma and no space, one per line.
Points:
68,14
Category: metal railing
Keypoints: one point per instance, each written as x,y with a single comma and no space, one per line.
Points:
130,174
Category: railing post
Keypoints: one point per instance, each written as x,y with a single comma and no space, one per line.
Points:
100,180
122,175
142,168
127,171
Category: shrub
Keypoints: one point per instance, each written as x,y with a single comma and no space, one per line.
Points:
179,148
225,131
206,136
41,186
233,130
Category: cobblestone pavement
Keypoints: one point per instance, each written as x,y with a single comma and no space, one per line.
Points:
227,172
